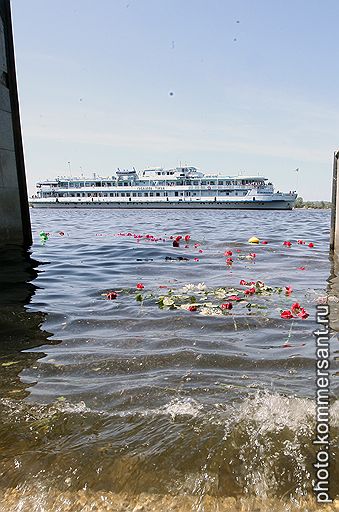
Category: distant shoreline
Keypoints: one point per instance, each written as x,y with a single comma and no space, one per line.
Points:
317,205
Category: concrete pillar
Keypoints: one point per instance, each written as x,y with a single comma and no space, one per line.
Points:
334,243
14,211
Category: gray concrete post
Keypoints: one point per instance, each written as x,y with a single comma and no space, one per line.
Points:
14,211
334,243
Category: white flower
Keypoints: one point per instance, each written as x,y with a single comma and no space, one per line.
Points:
168,301
201,287
220,293
188,288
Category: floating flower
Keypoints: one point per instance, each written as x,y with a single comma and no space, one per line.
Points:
301,268
229,261
196,245
253,255
243,282
286,314
140,286
264,242
192,308
227,305
61,233
296,308
188,288
228,253
201,287
200,250
196,259
288,290
287,243
311,244
187,238
303,314
220,293
250,291
234,297
111,295
300,242
168,301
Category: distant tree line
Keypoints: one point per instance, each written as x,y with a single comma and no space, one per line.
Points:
300,203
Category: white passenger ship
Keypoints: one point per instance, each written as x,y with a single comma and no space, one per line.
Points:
182,187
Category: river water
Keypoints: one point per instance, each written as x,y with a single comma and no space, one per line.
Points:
139,403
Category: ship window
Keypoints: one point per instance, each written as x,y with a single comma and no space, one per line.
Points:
127,194
212,182
122,194
157,194
146,194
176,194
139,194
151,194
221,182
111,194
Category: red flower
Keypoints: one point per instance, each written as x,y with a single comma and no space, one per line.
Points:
264,242
311,244
300,242
303,314
187,237
238,250
296,308
228,253
287,243
179,237
301,268
234,297
288,290
253,255
61,233
227,305
243,282
196,245
200,250
192,308
196,259
111,295
229,261
140,286
286,314
250,291
187,246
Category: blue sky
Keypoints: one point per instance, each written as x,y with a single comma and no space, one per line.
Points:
229,86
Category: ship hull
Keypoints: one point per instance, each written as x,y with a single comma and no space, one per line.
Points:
187,205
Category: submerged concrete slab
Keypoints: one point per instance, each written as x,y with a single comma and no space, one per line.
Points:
14,212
